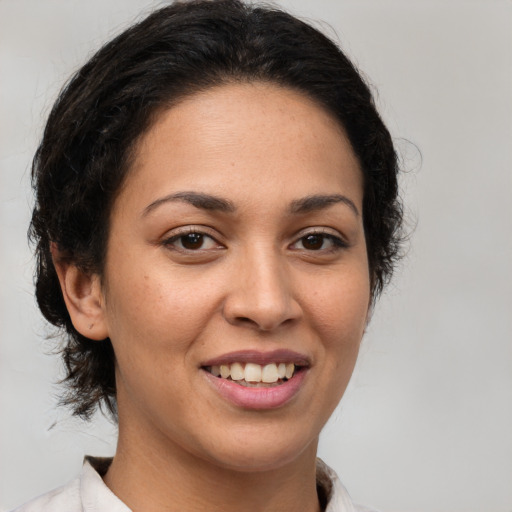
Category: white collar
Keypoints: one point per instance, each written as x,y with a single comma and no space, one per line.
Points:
94,493
97,497
338,499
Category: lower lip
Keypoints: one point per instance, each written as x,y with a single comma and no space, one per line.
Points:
258,398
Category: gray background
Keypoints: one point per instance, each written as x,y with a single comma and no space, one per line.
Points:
426,424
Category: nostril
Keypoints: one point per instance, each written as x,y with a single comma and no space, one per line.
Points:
260,325
249,309
245,320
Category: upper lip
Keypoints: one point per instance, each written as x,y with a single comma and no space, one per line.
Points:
258,357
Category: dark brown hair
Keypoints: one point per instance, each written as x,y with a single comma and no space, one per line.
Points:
111,101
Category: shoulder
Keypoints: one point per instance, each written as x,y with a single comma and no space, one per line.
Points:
63,499
87,493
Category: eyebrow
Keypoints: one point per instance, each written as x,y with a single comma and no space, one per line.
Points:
213,203
202,201
320,202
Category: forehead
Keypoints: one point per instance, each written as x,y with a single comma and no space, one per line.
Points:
245,139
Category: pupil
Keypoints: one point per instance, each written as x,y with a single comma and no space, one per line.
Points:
313,242
192,241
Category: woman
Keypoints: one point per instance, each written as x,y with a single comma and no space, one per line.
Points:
216,211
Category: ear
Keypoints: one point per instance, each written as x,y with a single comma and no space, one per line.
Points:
83,296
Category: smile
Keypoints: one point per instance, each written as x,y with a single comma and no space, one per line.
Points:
255,380
254,375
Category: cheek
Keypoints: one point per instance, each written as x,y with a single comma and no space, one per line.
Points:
341,305
153,309
339,312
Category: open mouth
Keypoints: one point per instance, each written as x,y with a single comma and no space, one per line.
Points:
255,375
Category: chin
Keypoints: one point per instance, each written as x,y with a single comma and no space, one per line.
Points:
257,453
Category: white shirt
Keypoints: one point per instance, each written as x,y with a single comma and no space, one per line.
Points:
88,493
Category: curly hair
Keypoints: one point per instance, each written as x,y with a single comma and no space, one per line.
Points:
91,132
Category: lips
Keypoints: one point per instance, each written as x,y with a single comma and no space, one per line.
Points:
257,380
262,358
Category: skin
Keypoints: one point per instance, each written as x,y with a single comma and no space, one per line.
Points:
256,282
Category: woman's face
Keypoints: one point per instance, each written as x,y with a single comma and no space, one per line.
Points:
237,246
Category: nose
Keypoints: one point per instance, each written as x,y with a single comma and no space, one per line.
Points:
261,295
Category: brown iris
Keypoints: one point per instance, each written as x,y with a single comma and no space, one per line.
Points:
313,242
192,241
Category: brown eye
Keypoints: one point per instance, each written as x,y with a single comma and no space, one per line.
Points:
313,242
320,242
192,241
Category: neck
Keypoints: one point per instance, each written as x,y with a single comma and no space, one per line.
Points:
152,479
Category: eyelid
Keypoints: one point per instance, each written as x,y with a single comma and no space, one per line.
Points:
174,234
321,230
338,239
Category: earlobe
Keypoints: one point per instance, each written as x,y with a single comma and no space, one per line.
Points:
83,296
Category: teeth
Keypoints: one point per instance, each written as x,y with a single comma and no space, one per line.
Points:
253,373
225,371
269,373
237,372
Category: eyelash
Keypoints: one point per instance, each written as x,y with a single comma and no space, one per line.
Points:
171,241
338,243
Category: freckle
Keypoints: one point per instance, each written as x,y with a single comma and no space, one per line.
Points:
146,277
